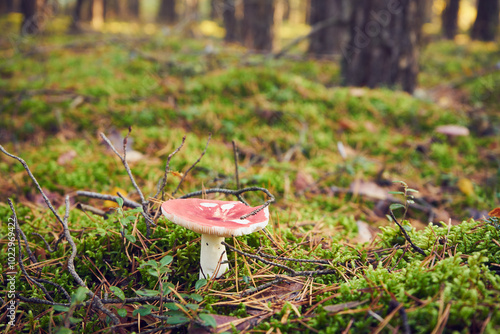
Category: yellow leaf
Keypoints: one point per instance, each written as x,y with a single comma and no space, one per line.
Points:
466,187
114,191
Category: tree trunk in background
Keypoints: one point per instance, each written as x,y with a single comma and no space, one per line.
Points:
216,8
77,17
384,44
449,18
486,25
30,19
258,24
134,9
329,40
97,14
191,11
231,23
167,13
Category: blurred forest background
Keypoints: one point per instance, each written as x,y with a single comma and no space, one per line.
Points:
325,103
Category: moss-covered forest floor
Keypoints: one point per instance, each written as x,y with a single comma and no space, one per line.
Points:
329,154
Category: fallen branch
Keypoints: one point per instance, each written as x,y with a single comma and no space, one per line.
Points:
407,237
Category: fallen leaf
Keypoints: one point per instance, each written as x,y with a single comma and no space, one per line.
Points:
340,307
466,187
495,212
304,182
357,91
370,189
66,157
453,130
365,233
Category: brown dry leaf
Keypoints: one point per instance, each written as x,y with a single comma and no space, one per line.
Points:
357,91
66,157
370,189
365,232
284,290
304,182
343,306
495,212
452,130
347,124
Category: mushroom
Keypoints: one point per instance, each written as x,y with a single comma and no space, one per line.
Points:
215,220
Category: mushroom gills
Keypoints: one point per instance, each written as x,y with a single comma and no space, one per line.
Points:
212,252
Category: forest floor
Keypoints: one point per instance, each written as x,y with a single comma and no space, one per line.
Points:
328,154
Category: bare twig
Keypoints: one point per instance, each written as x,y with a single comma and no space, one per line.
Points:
76,277
145,214
45,198
163,182
236,174
47,244
407,237
96,211
192,166
126,202
261,287
125,163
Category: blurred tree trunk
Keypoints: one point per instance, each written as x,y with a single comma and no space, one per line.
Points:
384,44
329,39
258,24
29,10
486,25
77,17
287,9
216,9
134,9
231,23
167,13
449,18
97,14
191,11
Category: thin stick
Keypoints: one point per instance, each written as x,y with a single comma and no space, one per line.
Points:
407,237
163,182
125,163
192,166
45,198
76,277
236,174
105,197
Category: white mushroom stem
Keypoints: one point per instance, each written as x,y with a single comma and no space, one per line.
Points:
213,252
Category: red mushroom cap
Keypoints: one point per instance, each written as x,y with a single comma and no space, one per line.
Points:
220,218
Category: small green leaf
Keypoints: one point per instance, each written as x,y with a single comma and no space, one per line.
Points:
171,306
396,192
193,307
195,297
166,260
60,308
175,320
395,206
130,238
147,293
200,283
119,200
208,320
153,272
74,320
118,292
121,312
136,210
64,330
409,190
79,295
143,311
407,228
